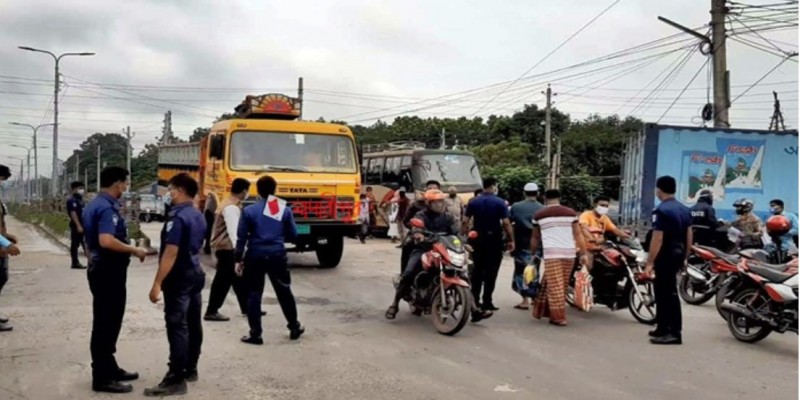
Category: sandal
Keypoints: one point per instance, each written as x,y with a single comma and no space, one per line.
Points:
391,312
520,307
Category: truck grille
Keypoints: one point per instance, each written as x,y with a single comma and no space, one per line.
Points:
319,208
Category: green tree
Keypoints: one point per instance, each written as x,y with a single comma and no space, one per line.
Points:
112,153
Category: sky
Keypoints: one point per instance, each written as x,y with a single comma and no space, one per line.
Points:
364,60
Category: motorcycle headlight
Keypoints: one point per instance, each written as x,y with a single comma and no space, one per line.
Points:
458,260
641,256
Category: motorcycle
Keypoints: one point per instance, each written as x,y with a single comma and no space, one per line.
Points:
703,278
733,280
442,288
765,302
617,279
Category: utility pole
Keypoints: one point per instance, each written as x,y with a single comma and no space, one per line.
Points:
548,139
166,131
29,186
98,168
777,116
721,73
442,137
128,150
557,166
77,165
718,50
300,96
86,178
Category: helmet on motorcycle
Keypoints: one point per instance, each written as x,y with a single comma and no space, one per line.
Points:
778,225
743,206
435,199
434,195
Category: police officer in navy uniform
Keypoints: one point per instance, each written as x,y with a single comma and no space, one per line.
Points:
75,213
260,249
491,218
181,278
110,253
704,218
669,249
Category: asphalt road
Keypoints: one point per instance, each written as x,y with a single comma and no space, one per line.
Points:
351,352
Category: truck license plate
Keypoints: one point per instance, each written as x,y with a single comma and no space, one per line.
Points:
303,229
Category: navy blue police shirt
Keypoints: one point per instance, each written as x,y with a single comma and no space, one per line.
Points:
75,203
102,216
673,219
185,228
487,212
261,235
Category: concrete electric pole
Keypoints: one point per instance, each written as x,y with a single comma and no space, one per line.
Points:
300,96
548,137
717,47
128,150
98,168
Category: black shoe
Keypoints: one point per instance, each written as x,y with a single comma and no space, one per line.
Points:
191,375
124,376
5,327
78,266
296,331
216,317
655,333
3,320
171,385
112,387
478,316
490,307
666,339
253,340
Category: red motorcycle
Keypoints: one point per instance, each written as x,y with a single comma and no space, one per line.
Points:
442,288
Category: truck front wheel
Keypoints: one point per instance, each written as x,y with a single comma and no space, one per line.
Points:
330,254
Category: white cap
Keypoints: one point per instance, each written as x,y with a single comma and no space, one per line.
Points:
531,187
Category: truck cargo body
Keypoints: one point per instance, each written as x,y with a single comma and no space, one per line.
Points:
732,163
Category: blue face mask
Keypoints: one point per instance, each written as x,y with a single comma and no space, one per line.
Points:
775,210
5,184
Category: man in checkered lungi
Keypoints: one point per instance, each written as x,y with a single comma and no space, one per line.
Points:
557,231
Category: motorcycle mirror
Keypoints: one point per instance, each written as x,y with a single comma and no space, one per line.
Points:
417,223
472,235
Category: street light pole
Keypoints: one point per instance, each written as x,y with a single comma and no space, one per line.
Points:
57,59
29,186
35,154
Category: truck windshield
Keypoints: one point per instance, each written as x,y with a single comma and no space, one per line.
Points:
448,169
291,152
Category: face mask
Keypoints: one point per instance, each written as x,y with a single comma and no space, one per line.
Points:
775,210
452,195
246,196
5,184
601,210
81,192
740,211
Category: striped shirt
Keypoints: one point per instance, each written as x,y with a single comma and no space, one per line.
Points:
555,224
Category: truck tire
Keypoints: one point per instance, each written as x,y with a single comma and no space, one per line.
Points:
330,254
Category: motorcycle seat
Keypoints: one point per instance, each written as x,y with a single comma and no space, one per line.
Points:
732,258
773,273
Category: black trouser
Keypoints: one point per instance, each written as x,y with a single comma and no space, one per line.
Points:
3,272
413,267
665,287
209,227
276,268
75,241
182,308
487,257
224,278
107,280
405,252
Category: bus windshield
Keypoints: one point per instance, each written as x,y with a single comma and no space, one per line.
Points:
291,152
448,169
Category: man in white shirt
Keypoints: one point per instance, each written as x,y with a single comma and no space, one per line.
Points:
223,240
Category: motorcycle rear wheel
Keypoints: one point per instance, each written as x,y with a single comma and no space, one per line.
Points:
741,326
689,295
458,298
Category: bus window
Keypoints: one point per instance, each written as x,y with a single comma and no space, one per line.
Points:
374,170
391,172
448,169
405,162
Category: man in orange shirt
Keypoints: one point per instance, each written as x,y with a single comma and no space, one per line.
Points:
597,220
